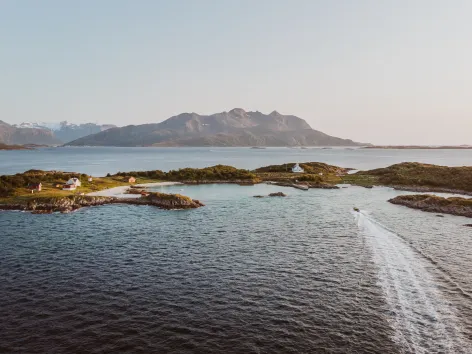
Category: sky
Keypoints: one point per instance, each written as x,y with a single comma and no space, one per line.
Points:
378,71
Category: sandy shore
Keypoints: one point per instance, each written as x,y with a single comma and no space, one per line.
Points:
119,192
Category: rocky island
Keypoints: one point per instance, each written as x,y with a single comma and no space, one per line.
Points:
416,177
435,204
48,191
67,204
52,191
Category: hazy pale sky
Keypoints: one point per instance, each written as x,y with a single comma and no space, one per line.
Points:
380,71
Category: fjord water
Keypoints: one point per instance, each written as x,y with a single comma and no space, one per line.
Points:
99,161
298,274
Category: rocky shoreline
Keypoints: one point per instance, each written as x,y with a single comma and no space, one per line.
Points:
305,186
44,205
434,204
431,190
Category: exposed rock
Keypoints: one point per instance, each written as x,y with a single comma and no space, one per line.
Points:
165,201
289,184
434,204
440,216
431,190
135,191
41,212
258,196
468,225
64,204
277,194
44,205
323,186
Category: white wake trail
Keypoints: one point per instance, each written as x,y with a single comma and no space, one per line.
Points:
423,320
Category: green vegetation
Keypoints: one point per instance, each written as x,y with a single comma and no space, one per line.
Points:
433,199
155,174
419,175
309,167
435,204
15,187
315,172
166,196
214,173
310,178
360,180
13,147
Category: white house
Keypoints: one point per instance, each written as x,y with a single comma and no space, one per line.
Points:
74,181
90,179
297,169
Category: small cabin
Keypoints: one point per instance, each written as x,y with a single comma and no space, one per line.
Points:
297,169
90,179
69,187
35,186
74,181
130,179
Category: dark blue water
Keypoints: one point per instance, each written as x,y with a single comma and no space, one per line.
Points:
300,274
98,161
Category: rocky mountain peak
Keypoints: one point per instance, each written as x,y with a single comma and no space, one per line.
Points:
238,112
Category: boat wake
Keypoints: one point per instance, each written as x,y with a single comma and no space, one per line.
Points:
422,319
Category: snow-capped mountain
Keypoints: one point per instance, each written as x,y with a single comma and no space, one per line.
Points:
65,131
39,125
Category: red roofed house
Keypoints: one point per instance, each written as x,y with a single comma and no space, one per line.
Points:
69,187
35,186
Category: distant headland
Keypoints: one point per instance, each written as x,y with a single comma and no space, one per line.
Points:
234,128
419,147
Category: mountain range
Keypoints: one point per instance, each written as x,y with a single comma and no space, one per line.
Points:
234,128
47,133
11,135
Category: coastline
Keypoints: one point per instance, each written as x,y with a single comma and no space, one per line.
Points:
435,204
119,192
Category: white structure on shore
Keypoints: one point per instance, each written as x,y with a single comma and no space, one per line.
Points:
75,181
297,169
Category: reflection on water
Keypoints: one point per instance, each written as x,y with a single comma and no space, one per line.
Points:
240,275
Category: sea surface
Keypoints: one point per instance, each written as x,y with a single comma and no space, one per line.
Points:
296,274
99,161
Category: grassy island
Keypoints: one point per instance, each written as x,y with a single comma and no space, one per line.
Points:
14,188
314,173
66,204
213,174
435,204
417,177
21,188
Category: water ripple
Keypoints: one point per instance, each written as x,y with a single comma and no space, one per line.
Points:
242,275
